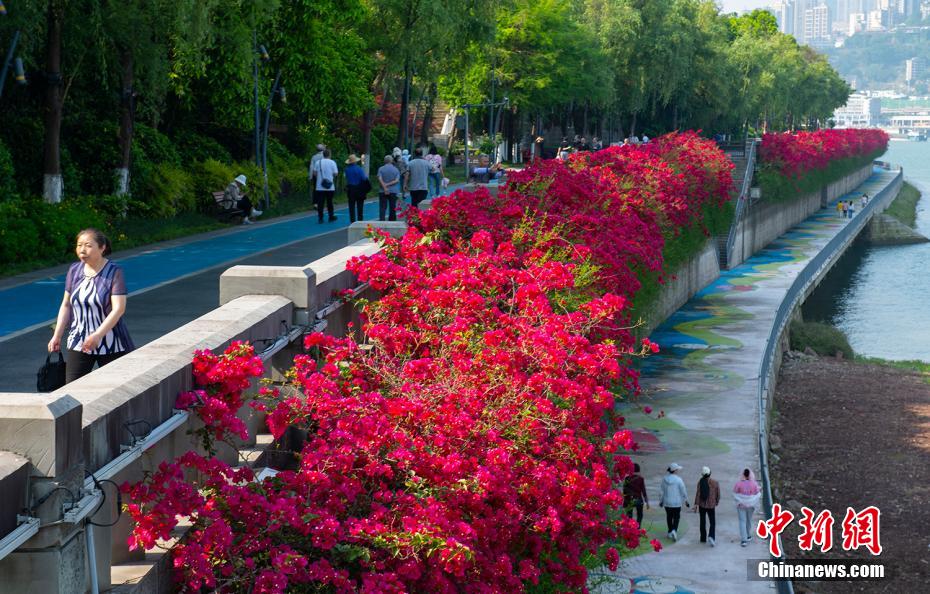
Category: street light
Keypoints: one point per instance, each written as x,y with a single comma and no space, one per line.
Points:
275,90
19,72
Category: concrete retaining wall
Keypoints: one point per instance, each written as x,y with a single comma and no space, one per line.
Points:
698,272
766,220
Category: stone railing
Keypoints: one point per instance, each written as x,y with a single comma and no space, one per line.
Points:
62,454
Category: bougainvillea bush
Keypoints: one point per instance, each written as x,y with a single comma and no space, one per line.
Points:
794,163
469,444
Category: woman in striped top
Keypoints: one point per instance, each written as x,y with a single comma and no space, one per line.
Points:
92,308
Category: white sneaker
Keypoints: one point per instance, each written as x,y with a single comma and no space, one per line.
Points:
246,221
675,535
711,541
256,213
745,543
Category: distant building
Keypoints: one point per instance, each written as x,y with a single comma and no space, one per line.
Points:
860,111
856,23
817,25
911,69
874,21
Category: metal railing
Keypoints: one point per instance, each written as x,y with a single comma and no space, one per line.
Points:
743,198
811,272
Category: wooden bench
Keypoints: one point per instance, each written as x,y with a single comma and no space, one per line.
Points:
224,209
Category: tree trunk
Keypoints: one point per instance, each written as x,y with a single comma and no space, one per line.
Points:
127,108
633,125
428,115
404,107
675,118
52,182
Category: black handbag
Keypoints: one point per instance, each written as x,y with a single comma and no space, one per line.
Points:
51,376
365,186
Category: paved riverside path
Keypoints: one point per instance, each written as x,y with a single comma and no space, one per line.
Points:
705,379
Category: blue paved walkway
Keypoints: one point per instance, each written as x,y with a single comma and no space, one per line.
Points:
33,304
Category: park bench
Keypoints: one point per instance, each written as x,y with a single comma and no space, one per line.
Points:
225,209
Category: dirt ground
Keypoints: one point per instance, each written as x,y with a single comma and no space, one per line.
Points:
852,435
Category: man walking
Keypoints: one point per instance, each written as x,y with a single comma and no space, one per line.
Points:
634,494
311,175
325,172
417,178
389,180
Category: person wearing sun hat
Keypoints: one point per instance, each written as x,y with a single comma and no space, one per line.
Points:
357,188
674,494
706,500
234,197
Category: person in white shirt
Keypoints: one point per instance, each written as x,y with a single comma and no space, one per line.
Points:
311,176
325,172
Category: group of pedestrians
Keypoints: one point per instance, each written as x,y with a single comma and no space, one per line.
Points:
420,176
847,208
674,495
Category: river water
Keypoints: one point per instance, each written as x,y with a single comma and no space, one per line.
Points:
880,296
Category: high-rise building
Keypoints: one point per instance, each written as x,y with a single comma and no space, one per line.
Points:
817,25
856,23
784,14
911,69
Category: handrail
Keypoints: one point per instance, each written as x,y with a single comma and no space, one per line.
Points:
743,196
794,295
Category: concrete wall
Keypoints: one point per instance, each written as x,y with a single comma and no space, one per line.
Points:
692,276
766,220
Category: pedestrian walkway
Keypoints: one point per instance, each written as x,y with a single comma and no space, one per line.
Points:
34,303
706,380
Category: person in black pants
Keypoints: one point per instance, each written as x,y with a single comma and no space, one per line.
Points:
357,187
634,494
91,311
705,502
325,171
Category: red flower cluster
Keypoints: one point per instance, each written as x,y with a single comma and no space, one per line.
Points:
470,445
792,154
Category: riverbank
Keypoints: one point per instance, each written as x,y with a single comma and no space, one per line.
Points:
904,207
853,434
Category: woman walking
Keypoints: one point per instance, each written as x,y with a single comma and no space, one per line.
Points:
706,500
92,308
674,494
747,494
634,494
436,172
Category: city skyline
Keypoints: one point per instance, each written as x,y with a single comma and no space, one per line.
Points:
741,5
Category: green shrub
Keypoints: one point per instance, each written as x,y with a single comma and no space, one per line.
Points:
148,144
35,231
382,141
193,148
210,176
165,191
7,174
776,186
823,339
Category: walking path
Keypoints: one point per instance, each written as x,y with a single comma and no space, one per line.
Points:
705,379
31,300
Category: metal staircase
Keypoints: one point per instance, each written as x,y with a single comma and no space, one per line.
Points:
744,160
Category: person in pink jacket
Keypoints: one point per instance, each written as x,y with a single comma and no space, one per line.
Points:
747,494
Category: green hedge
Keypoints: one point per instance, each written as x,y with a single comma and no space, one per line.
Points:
776,186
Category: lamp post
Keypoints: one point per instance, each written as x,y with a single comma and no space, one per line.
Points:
469,106
18,71
275,90
258,53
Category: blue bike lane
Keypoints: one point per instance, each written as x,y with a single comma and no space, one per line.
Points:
30,305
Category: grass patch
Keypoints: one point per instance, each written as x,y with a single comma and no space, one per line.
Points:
904,206
921,367
823,339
